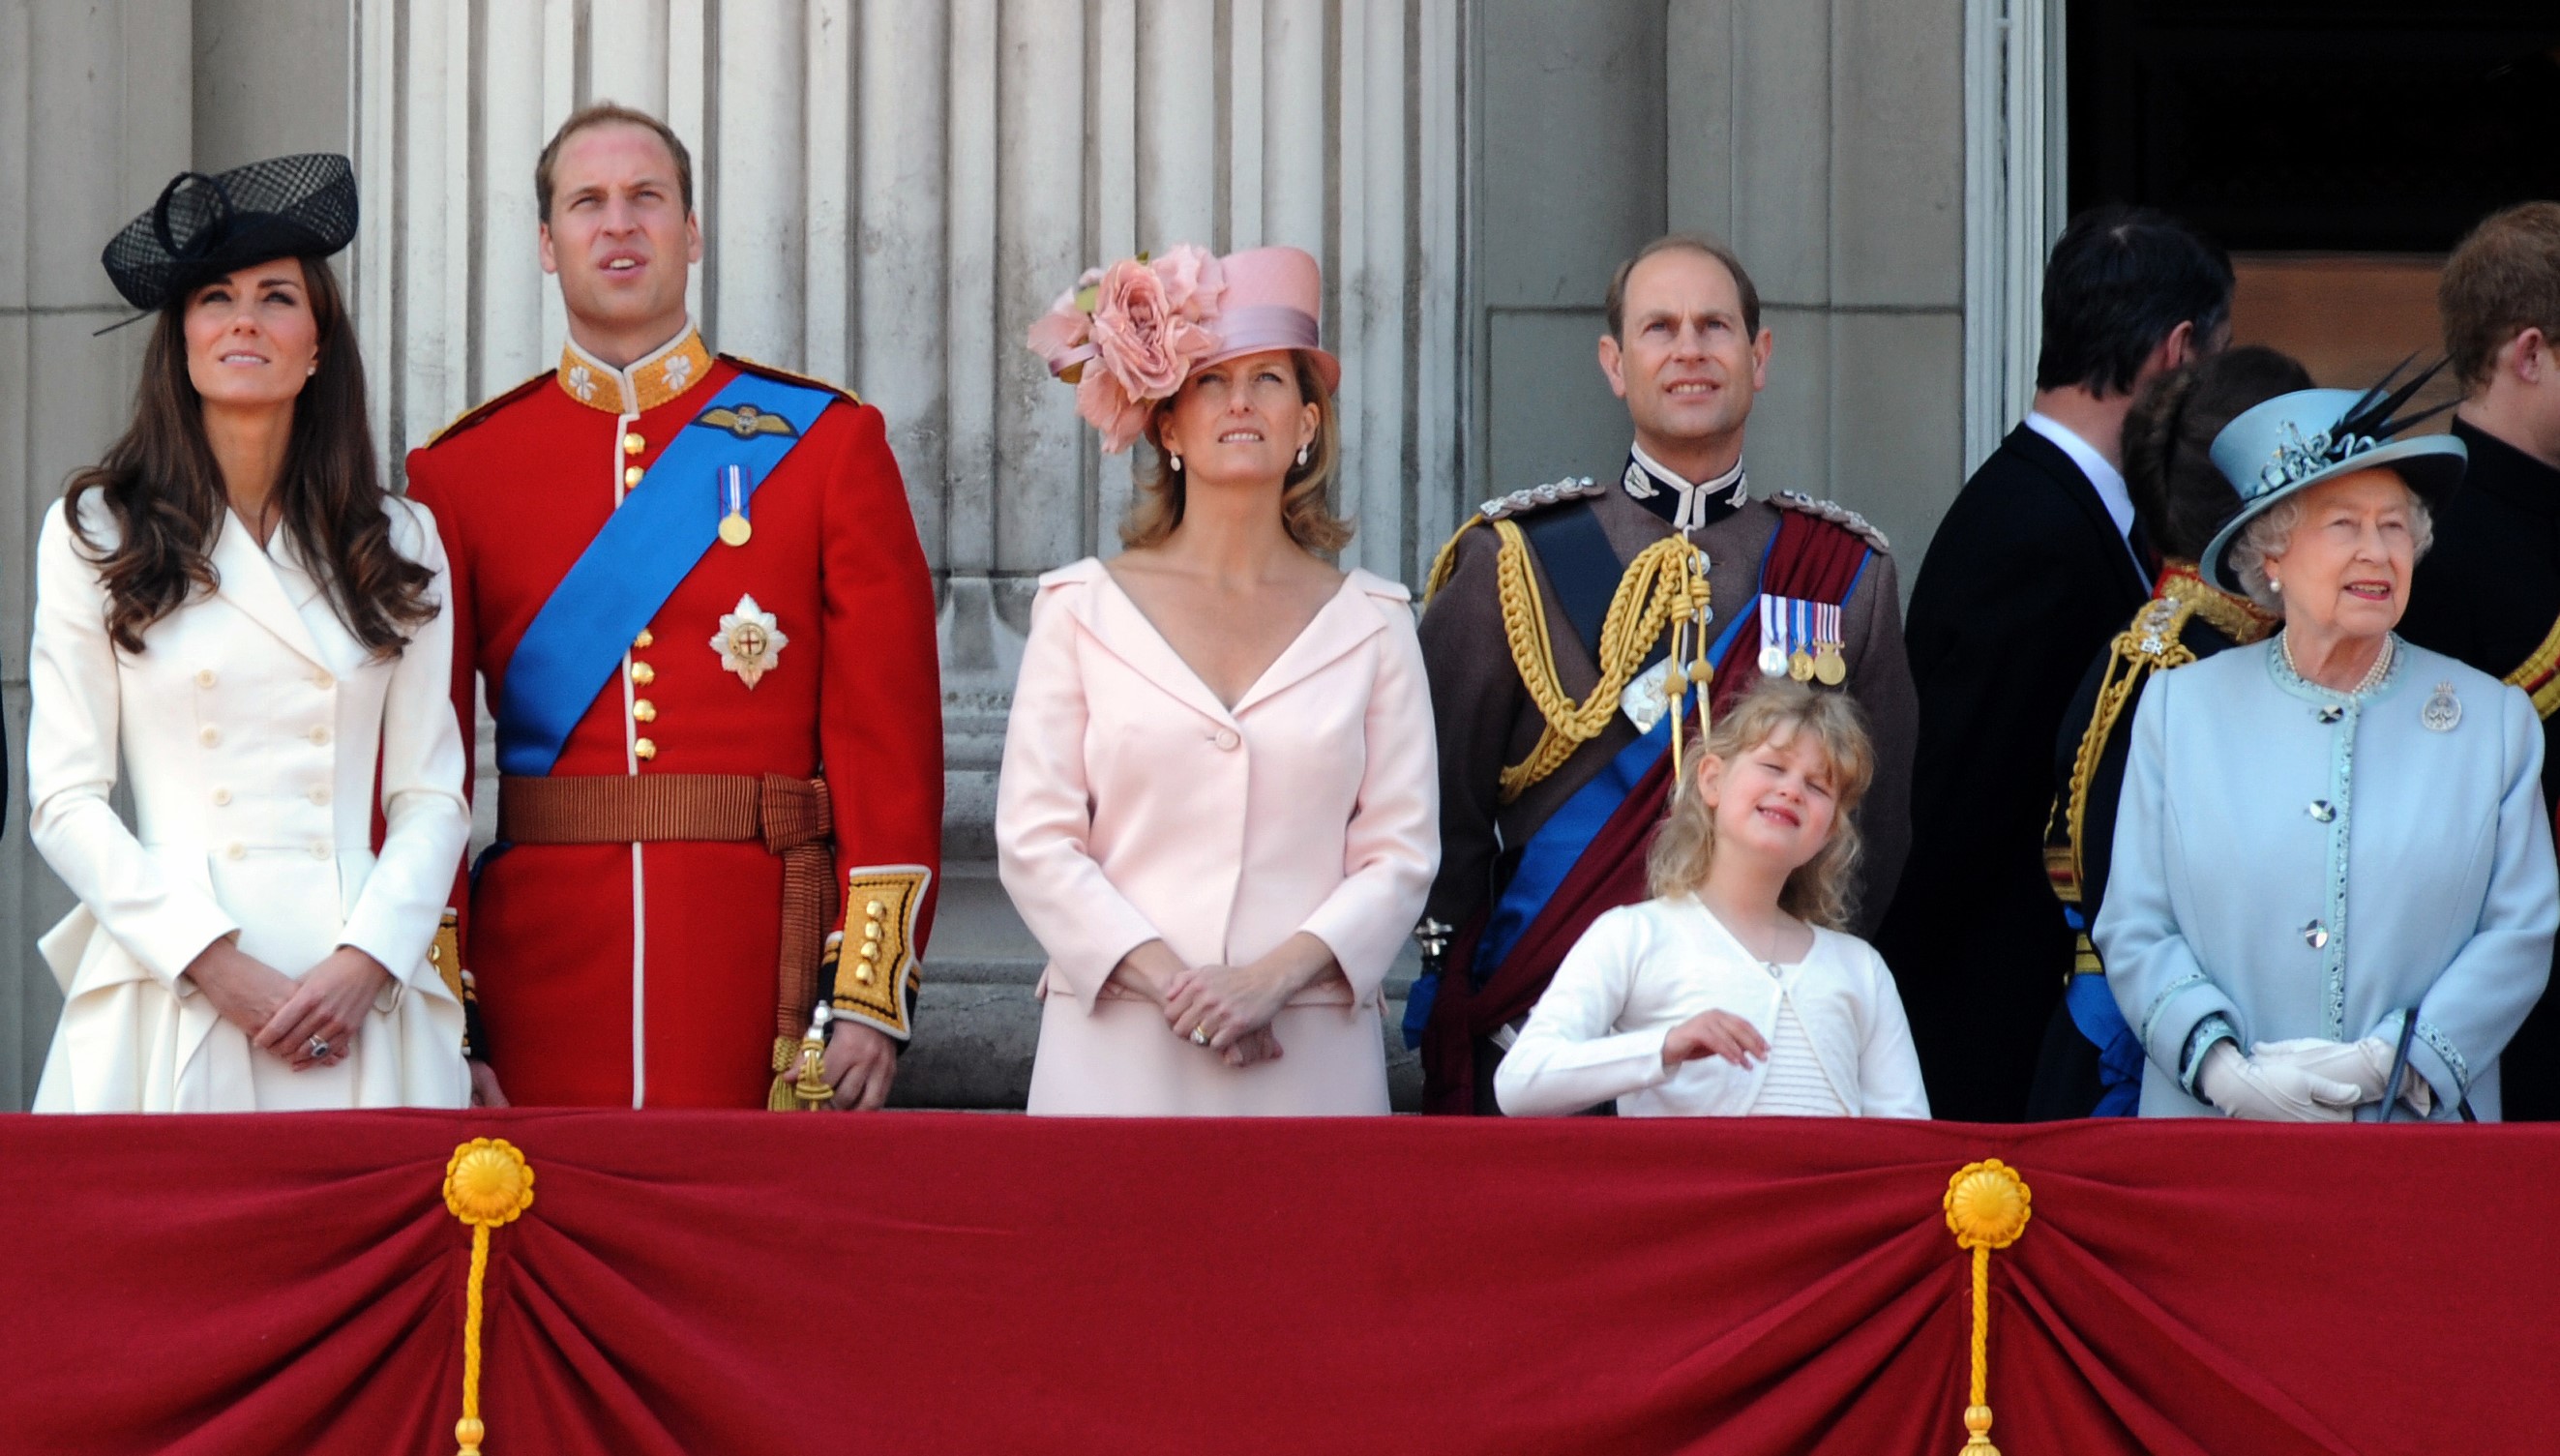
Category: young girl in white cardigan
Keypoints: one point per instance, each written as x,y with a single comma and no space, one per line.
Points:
1733,991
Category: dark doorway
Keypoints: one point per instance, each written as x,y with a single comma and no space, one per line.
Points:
2337,148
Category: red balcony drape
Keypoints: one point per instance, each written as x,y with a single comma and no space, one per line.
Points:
909,1282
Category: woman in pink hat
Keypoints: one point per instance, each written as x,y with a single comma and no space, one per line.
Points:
1219,807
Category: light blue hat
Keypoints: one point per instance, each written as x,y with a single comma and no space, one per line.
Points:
2295,441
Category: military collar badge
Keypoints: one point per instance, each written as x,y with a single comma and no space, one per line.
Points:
650,382
1690,507
749,641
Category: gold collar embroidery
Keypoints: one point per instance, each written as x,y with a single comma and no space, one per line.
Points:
2235,617
651,381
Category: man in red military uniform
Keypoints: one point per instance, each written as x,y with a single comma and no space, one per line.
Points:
692,590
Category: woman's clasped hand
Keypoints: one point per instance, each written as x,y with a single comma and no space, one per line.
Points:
305,1024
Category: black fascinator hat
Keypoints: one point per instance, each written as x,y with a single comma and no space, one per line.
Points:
205,227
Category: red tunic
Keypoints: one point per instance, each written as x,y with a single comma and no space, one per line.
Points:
645,974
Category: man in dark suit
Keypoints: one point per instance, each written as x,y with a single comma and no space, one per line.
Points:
2034,567
2488,593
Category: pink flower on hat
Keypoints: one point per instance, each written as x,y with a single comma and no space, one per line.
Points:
1146,322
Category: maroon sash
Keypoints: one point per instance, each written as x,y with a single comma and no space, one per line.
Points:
1810,558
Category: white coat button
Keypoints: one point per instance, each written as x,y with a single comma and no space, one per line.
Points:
321,679
209,736
1225,739
319,848
320,795
222,797
234,851
320,734
204,677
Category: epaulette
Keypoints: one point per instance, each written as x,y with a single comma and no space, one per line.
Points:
1833,512
2155,635
1521,502
791,376
487,407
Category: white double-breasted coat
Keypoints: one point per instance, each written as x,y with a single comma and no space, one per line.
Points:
250,731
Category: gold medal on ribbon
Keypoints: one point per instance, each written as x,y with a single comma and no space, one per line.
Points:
732,481
1800,665
1830,667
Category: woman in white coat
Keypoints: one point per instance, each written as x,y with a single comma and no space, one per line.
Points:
232,605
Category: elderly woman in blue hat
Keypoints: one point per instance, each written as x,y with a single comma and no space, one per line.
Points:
2333,893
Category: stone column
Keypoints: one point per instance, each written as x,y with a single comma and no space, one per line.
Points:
95,116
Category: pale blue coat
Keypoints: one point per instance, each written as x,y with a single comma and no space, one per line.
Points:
2303,862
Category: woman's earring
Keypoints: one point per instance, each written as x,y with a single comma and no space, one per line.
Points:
2275,585
1302,454
311,369
1175,460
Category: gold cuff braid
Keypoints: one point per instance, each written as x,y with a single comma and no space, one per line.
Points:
870,970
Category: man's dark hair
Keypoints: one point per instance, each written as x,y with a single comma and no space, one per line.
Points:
2121,280
1614,303
610,114
2180,497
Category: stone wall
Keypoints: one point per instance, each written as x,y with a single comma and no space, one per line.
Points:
894,189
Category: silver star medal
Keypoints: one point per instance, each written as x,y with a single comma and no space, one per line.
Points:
2443,710
750,641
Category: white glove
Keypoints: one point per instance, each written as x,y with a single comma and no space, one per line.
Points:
2273,1092
2367,1064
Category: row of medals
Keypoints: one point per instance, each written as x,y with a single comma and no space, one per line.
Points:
1824,664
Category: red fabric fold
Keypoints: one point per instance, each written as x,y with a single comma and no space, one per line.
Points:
694,1282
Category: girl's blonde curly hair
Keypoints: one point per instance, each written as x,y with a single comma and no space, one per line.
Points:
1820,892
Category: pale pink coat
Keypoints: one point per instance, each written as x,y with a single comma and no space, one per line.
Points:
1135,806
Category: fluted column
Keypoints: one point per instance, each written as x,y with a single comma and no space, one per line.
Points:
95,116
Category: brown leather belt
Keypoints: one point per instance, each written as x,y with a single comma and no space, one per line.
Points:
790,815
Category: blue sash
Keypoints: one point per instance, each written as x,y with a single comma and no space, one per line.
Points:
649,545
1556,847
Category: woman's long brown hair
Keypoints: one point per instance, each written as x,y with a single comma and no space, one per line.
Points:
165,491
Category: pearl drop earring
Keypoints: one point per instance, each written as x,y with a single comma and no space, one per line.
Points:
311,369
1175,460
1302,454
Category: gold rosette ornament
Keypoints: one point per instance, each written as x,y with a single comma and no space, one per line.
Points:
1988,1205
487,1183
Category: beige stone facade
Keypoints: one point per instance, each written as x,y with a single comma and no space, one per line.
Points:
893,189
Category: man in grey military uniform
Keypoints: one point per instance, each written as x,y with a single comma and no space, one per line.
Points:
1536,840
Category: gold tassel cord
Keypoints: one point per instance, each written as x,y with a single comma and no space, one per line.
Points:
487,1185
800,1069
1987,1205
1661,584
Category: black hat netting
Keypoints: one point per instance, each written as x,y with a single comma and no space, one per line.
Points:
205,227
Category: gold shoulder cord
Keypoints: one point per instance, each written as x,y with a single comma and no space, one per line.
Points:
1662,587
2151,644
1659,583
2540,674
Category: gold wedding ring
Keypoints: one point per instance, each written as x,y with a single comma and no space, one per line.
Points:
1199,1035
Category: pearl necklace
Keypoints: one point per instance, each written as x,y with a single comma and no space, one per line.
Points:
2373,675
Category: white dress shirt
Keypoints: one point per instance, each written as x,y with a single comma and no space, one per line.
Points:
1642,969
2108,480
